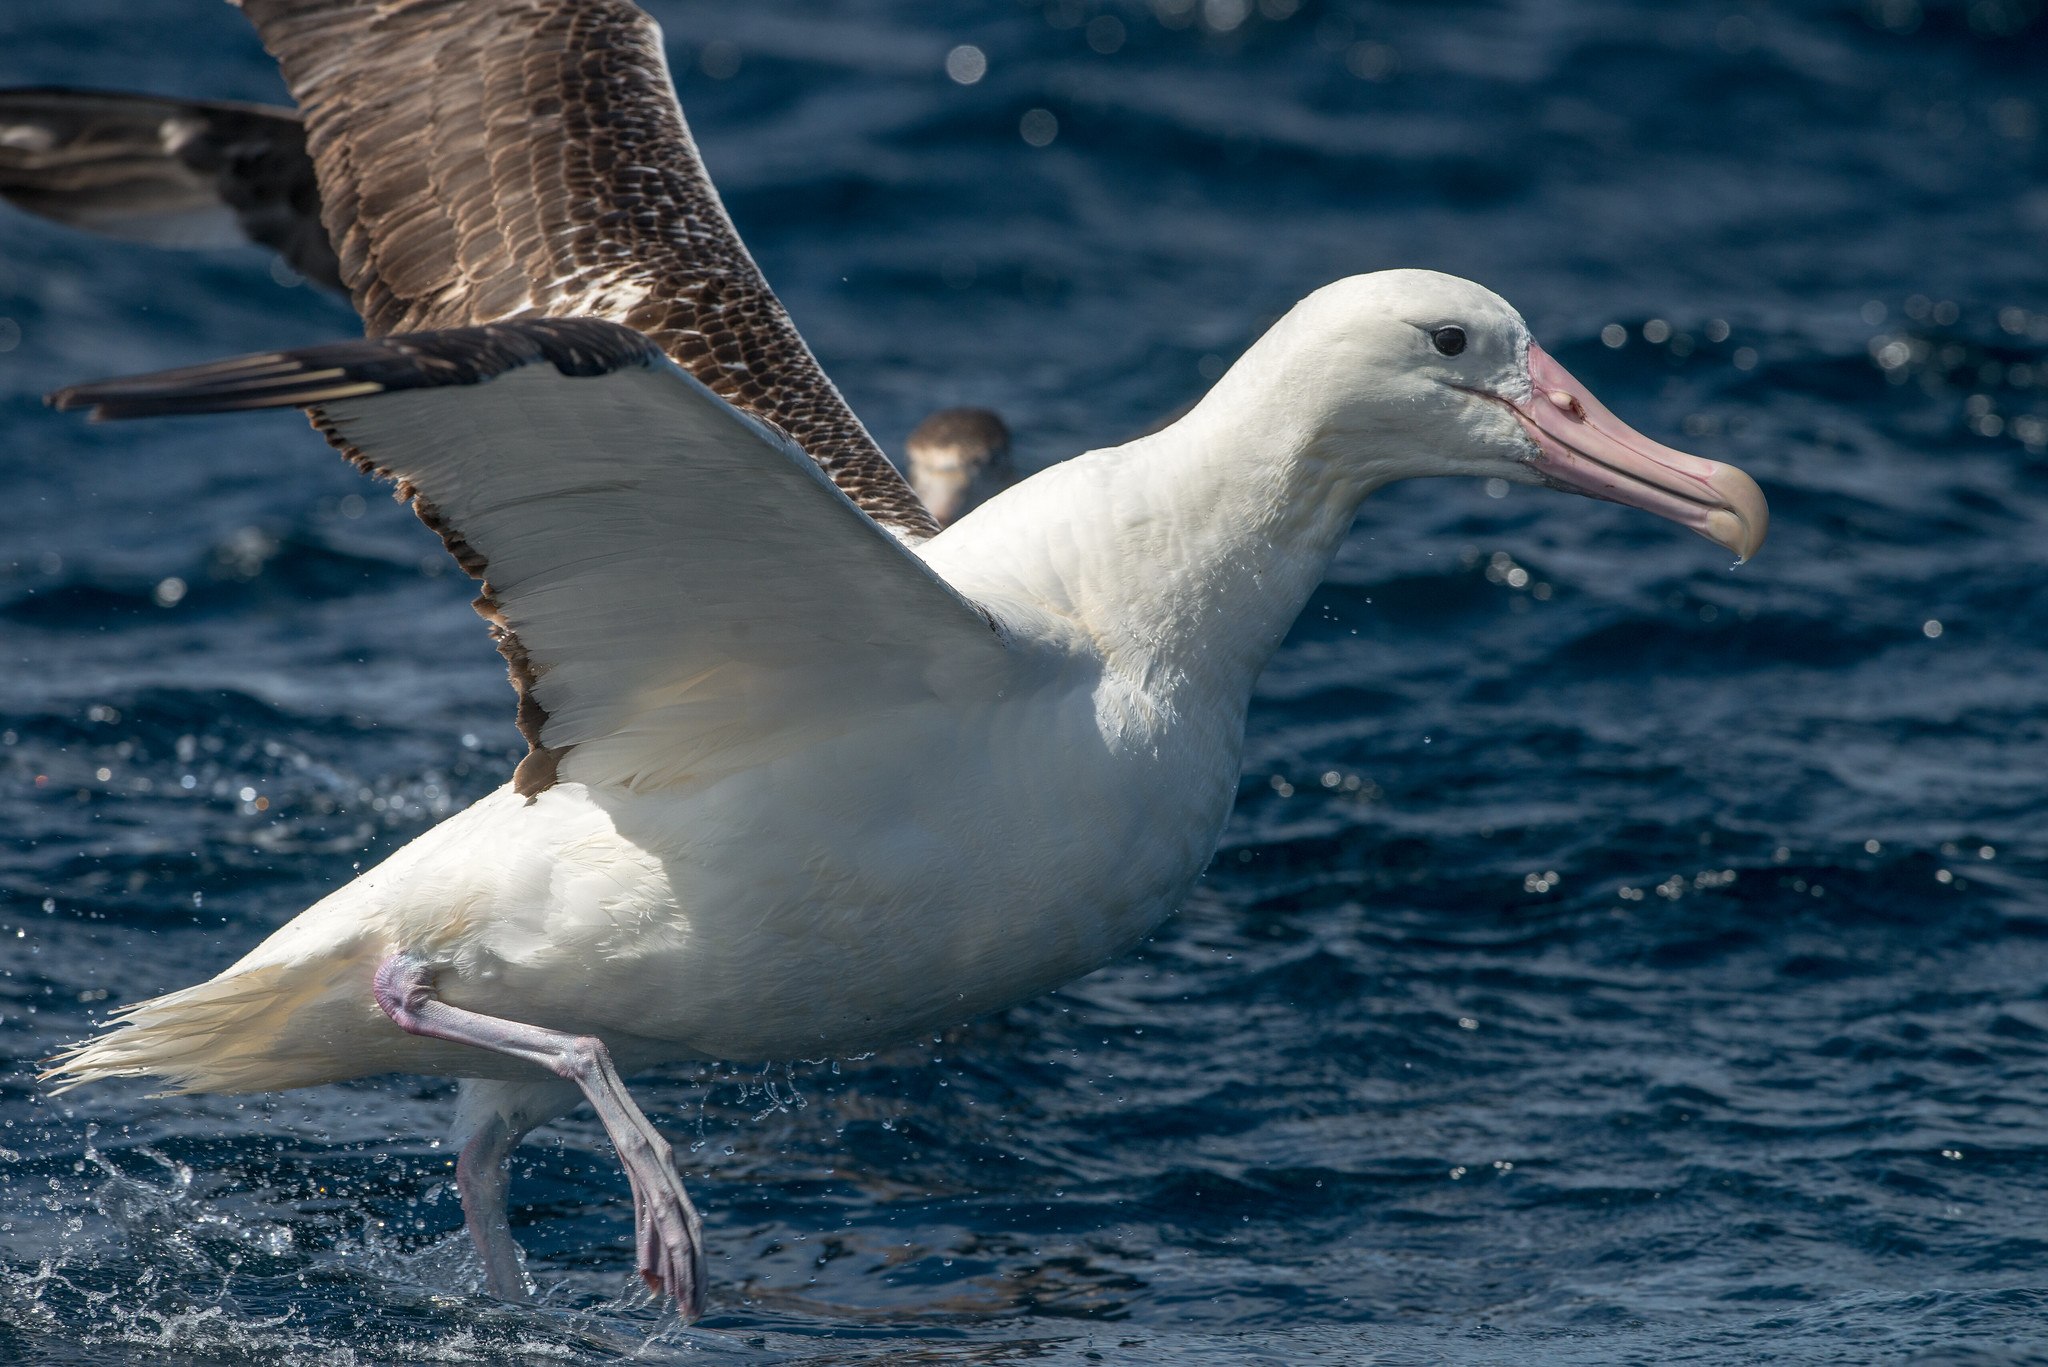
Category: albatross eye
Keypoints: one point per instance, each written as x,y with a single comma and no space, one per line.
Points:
1450,341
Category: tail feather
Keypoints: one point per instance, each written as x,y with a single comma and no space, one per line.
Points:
260,1029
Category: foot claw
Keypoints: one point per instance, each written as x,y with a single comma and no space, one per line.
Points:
668,1237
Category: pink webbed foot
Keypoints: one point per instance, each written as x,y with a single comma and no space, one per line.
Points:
668,1236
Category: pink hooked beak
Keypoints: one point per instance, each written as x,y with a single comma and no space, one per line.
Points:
1586,449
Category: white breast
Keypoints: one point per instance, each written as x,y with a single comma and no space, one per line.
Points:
927,869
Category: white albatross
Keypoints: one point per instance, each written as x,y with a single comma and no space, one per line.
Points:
804,778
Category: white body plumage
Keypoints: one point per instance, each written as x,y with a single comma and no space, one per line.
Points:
799,788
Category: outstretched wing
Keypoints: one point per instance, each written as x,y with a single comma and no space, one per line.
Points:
490,159
679,590
172,173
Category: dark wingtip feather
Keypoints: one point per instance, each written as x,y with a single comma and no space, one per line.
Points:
166,171
347,370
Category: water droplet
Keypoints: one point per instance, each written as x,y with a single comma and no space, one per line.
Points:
966,64
1038,127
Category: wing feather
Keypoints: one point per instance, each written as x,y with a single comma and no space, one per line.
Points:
677,588
489,159
172,173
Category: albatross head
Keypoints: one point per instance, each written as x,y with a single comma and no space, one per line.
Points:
1419,373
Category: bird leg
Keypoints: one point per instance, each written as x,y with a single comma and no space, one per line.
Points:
481,1177
668,1233
492,1116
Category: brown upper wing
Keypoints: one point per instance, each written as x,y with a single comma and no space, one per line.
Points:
489,159
169,172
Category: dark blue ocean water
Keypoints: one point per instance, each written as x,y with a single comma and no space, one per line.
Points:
1614,958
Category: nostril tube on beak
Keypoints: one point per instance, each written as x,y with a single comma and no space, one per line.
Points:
1583,447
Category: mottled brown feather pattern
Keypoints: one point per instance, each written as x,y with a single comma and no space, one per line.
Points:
482,160
133,165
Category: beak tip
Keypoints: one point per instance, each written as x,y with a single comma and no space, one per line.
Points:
1744,519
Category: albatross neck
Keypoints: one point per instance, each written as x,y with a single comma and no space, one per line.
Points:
1185,555
1246,501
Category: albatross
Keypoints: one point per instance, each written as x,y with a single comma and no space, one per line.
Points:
805,774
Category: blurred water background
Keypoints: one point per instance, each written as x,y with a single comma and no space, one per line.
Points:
1614,957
